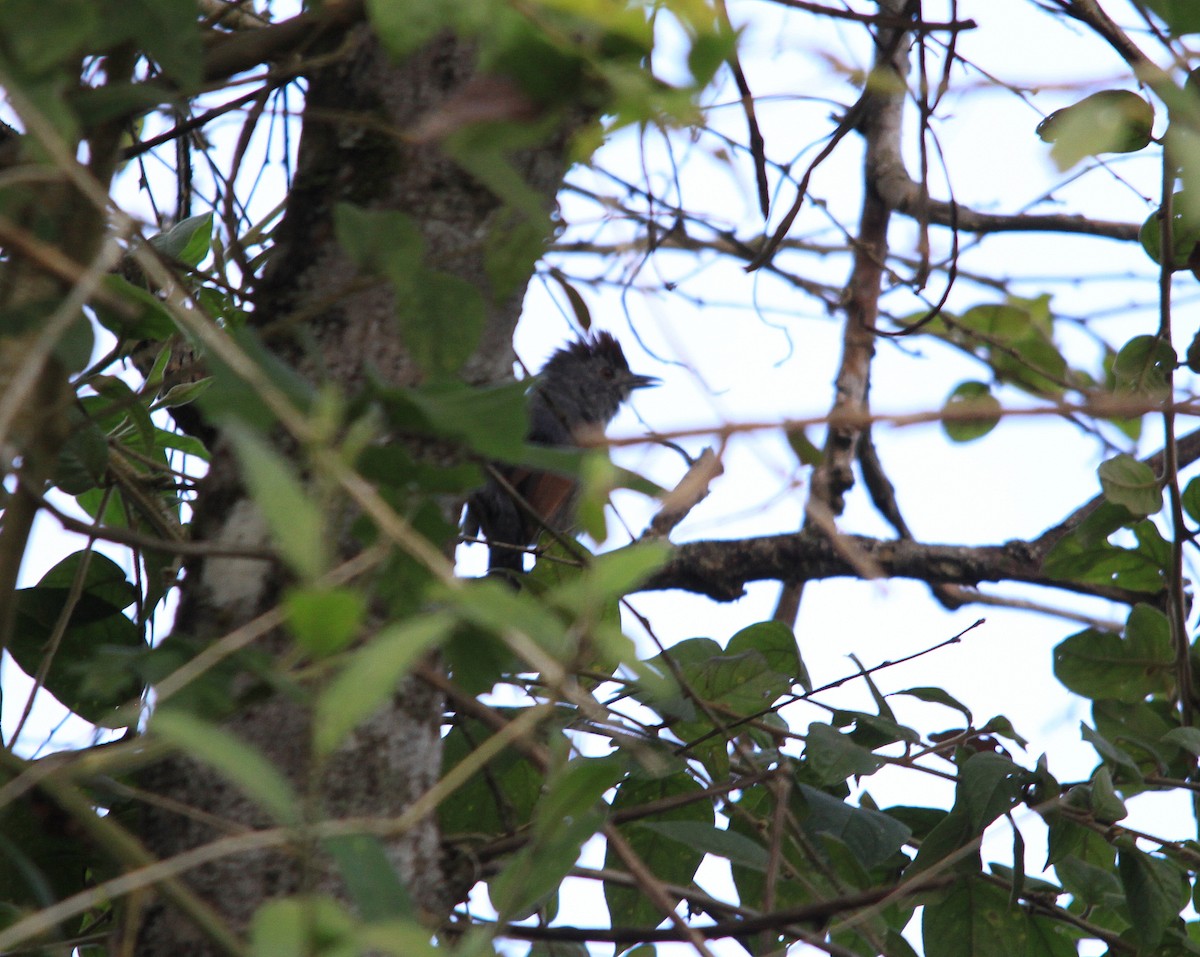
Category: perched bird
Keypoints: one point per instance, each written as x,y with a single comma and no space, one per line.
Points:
575,396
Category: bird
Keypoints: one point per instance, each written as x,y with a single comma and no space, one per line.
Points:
575,396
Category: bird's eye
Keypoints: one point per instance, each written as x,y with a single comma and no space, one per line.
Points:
606,372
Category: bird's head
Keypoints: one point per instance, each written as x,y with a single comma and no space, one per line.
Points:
586,381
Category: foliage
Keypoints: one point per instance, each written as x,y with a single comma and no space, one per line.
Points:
724,747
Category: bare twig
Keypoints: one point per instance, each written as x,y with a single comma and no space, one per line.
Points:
690,492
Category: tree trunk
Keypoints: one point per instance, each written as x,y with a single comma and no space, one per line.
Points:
351,151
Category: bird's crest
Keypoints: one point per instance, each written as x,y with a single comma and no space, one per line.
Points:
603,345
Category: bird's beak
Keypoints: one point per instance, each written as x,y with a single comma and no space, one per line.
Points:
642,381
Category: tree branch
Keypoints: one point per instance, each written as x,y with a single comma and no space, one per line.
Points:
722,569
241,51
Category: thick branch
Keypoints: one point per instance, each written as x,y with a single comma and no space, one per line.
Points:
722,569
243,51
784,918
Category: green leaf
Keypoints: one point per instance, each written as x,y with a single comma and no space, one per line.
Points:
724,844
708,53
232,758
40,36
989,785
383,242
158,370
1035,365
579,307
570,814
743,682
998,724
1143,366
233,399
83,458
301,927
1049,938
575,792
1077,558
1016,339
532,877
370,878
399,938
492,421
751,817
188,241
500,796
324,620
1002,322
484,149
1131,483
939,696
1107,805
806,452
75,346
1191,500
831,757
1141,729
371,676
183,394
42,859
973,919
295,520
143,316
1180,16
1156,892
1185,234
187,444
389,244
872,836
776,642
870,731
514,244
402,28
612,575
608,578
973,399
121,411
671,861
422,309
105,588
1068,840
1186,738
1111,121
494,606
391,467
166,31
597,479
1117,757
1090,885
96,628
1100,664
